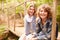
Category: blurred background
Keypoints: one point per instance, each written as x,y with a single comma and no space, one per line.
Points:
12,13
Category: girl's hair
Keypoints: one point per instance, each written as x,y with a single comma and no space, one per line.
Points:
46,8
32,4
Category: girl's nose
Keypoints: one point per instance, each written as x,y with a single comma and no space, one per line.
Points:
42,12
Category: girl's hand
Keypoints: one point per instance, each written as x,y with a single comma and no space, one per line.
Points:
34,38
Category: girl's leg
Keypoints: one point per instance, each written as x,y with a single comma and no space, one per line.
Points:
27,29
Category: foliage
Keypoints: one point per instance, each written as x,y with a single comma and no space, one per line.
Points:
19,9
58,9
58,18
20,1
38,2
2,29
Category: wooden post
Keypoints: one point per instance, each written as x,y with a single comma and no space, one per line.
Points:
25,7
8,24
14,17
14,21
53,36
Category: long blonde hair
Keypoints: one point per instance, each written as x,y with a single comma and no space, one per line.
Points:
32,4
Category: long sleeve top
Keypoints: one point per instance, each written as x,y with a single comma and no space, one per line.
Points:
44,31
29,24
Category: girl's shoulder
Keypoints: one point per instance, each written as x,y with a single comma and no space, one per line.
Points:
38,20
26,16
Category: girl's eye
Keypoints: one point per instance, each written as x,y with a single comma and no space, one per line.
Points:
31,9
41,10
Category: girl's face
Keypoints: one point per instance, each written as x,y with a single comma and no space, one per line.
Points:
42,13
31,11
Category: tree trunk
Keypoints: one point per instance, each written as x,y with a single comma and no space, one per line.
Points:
53,36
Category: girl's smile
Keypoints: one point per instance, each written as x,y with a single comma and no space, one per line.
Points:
31,11
43,14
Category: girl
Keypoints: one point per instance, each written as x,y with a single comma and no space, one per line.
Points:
30,21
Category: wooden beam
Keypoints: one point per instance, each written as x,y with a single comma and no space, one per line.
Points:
14,17
25,7
8,24
53,36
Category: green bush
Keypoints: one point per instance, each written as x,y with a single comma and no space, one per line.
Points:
58,20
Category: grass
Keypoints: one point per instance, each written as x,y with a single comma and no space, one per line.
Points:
2,29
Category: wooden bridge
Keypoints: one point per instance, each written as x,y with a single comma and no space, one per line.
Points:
20,30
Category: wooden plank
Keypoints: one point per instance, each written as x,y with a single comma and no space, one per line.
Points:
18,31
14,17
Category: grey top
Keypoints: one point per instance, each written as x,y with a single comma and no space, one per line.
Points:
29,24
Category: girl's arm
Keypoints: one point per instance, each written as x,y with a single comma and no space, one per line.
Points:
26,26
